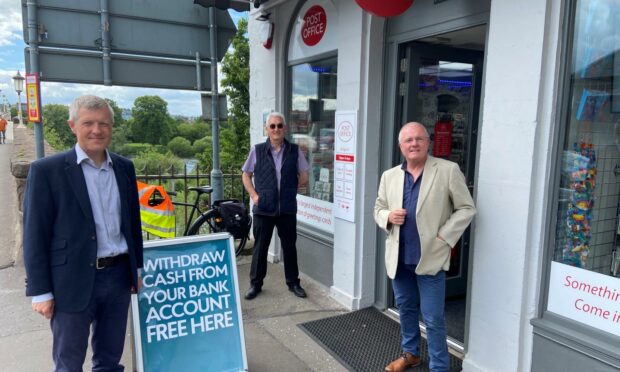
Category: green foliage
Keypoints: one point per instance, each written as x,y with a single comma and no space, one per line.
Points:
235,134
235,142
173,124
202,145
160,149
118,113
205,160
236,70
120,138
51,137
153,162
133,149
151,121
55,128
181,147
193,131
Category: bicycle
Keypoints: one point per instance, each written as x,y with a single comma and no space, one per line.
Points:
211,220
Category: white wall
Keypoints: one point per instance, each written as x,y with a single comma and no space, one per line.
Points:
360,66
514,164
266,79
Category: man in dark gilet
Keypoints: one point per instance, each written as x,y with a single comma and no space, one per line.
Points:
278,168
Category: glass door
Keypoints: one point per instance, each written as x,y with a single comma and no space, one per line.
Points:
440,88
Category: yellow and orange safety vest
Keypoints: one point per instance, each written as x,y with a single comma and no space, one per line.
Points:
156,210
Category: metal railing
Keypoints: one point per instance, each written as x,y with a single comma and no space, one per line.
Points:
180,180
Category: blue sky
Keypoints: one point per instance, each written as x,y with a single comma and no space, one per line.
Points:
12,59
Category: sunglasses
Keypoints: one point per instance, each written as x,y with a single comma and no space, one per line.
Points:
274,126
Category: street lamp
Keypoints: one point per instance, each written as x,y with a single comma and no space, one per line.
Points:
2,103
5,109
18,81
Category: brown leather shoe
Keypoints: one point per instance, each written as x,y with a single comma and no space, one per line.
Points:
402,363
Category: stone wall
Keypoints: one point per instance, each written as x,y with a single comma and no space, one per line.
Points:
23,155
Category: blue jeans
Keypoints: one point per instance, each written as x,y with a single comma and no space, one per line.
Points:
427,293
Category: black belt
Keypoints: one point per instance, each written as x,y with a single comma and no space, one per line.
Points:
104,262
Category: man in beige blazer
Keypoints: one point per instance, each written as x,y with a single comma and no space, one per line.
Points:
424,206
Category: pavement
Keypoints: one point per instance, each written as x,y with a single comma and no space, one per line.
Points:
8,209
274,342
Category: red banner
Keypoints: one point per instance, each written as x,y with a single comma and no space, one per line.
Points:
347,158
442,145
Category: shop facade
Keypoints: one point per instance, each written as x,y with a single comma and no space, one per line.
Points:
521,96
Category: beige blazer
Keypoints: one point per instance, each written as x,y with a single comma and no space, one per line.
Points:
445,208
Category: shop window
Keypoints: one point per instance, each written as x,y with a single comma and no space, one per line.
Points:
586,254
589,192
311,122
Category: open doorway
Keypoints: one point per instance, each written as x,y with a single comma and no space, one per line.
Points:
440,84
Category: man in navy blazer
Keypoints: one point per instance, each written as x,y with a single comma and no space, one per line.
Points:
82,241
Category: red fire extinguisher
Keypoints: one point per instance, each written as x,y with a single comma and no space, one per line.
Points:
442,145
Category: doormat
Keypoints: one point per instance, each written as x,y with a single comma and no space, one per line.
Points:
364,340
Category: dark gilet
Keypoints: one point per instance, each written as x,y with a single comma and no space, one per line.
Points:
271,201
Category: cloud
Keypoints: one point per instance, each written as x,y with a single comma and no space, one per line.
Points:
10,22
185,103
6,84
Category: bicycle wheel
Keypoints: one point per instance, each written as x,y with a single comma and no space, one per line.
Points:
211,222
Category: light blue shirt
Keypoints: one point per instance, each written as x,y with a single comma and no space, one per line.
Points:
105,202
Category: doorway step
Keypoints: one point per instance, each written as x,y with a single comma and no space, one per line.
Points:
364,340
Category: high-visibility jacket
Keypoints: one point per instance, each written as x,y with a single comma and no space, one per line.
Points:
156,210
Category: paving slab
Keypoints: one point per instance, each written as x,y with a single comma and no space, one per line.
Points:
8,209
274,342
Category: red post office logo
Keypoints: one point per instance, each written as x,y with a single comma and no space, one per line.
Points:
315,25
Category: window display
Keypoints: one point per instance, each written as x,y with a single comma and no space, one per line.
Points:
583,279
311,122
588,204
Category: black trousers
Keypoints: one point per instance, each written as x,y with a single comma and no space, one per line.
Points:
263,231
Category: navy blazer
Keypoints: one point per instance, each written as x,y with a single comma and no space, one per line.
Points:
60,243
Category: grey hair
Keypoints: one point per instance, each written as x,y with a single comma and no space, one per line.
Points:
275,114
411,124
89,102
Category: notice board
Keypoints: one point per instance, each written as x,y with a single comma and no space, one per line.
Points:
187,316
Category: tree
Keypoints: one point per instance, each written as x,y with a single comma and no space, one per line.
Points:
14,112
235,134
118,112
120,137
151,121
151,161
181,147
193,131
203,145
55,128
